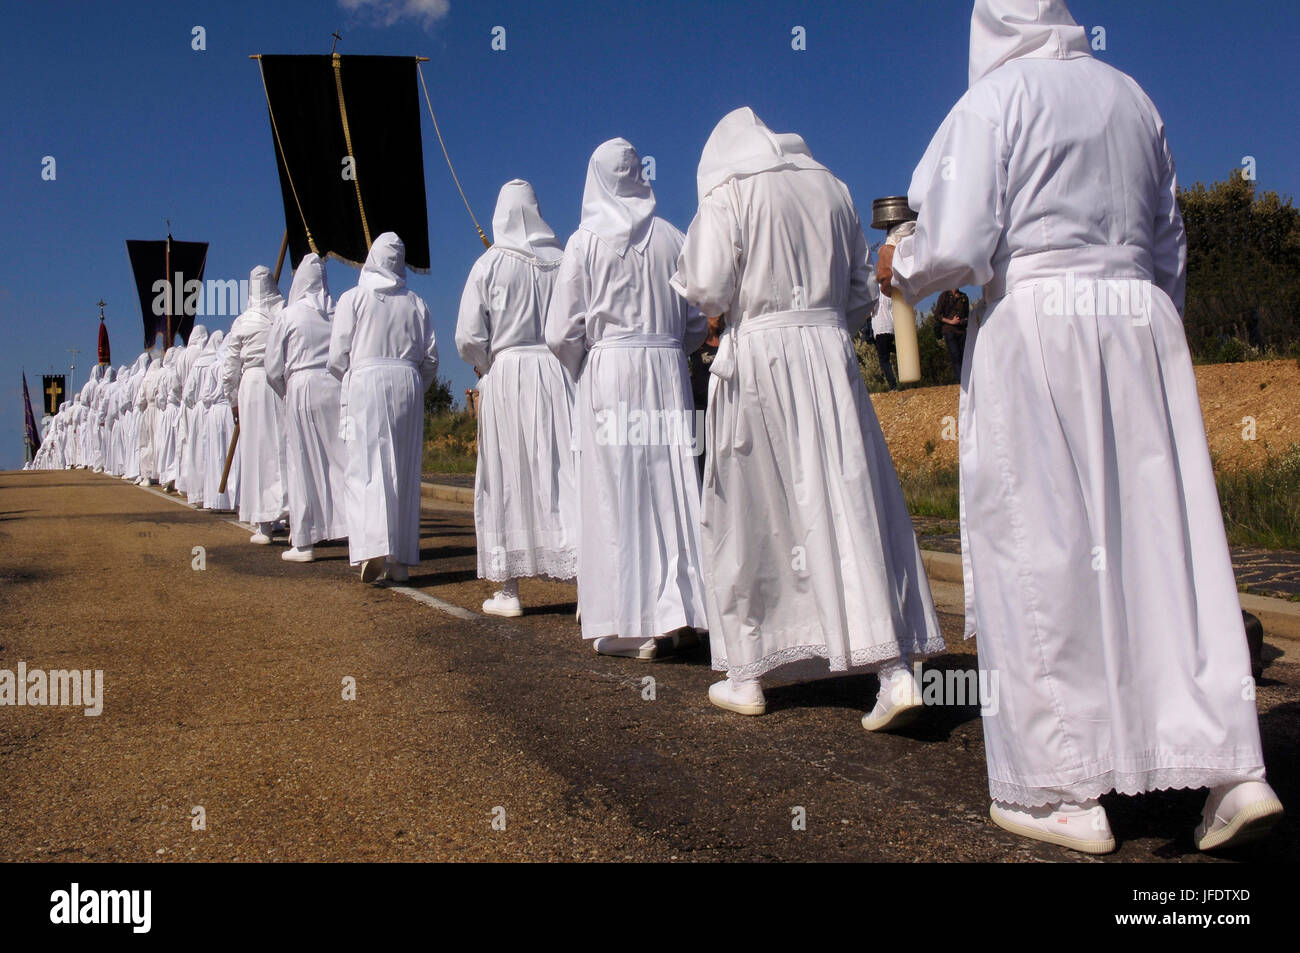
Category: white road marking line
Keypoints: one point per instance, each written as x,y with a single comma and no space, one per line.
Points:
435,602
408,591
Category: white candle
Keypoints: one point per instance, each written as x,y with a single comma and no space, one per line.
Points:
905,343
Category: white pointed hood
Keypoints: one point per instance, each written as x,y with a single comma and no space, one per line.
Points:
518,226
741,145
1005,30
618,205
198,337
310,286
263,295
385,267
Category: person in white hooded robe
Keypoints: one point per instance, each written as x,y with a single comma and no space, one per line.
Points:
383,349
146,404
185,438
525,494
219,422
621,331
193,423
132,412
169,422
258,410
1097,573
830,578
297,354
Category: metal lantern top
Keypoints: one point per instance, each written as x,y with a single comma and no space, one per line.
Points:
890,211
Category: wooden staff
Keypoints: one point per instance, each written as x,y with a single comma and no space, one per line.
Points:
234,437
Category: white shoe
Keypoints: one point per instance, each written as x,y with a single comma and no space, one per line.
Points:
396,572
1083,827
372,569
296,555
744,698
1237,814
627,648
259,538
503,605
898,704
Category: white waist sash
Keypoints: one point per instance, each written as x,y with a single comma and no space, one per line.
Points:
724,363
639,340
1087,262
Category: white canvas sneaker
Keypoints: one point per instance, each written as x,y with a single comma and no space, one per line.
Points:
1083,827
898,704
503,605
296,555
259,538
1236,814
627,648
744,698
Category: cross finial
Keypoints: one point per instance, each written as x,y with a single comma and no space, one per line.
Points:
337,38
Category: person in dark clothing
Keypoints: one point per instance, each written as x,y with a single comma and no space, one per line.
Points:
698,365
951,312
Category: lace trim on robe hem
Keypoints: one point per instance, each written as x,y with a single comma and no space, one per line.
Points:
558,564
862,658
1123,782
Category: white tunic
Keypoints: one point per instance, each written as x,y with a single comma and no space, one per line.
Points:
196,451
296,356
1097,571
169,419
525,490
619,328
220,427
383,349
261,428
185,442
811,556
147,421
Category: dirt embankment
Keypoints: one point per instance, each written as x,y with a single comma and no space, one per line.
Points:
921,424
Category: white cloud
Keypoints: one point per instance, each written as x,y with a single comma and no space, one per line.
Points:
388,12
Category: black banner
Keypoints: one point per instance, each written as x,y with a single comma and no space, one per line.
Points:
55,390
346,192
149,262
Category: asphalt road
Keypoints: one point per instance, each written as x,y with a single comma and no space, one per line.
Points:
223,690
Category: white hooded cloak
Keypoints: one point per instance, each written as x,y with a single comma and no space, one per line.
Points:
383,349
219,423
617,327
811,556
1096,566
261,410
525,490
297,354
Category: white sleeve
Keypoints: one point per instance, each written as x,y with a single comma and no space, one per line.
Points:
708,268
863,290
473,324
342,329
566,317
959,189
274,359
232,365
1169,238
429,355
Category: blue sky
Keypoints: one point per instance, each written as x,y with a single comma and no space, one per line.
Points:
143,128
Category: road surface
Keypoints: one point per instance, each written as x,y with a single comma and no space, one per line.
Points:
225,733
